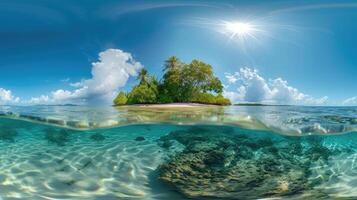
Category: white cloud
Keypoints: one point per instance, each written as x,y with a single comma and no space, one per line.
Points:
6,97
76,84
350,101
43,99
110,73
66,80
252,87
232,78
233,96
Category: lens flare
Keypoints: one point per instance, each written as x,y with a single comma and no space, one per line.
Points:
239,30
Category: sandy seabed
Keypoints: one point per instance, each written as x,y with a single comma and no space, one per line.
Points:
103,164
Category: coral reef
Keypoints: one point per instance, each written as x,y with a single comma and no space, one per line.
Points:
139,138
7,133
57,136
97,137
219,163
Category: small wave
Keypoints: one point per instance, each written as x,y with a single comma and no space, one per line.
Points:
79,124
280,120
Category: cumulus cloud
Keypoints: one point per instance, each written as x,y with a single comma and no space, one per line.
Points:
350,101
110,73
232,78
43,99
252,87
6,97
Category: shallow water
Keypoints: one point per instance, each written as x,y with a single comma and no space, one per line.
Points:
286,120
164,160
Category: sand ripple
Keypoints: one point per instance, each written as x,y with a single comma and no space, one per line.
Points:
116,168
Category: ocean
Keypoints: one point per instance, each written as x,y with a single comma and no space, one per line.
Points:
234,152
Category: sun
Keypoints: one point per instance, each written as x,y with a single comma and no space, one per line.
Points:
243,32
239,30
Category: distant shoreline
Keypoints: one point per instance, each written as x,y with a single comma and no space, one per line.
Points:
170,105
189,105
258,104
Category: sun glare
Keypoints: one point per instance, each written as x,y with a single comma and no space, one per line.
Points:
239,30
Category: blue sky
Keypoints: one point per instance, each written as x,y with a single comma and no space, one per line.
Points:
303,52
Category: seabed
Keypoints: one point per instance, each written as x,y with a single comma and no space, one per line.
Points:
179,154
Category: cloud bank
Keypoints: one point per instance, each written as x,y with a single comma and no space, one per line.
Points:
110,73
6,97
252,87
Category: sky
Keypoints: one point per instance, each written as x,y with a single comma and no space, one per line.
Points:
283,52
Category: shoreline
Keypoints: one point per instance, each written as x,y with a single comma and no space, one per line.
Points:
170,105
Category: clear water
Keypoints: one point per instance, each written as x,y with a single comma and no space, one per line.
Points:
287,120
73,152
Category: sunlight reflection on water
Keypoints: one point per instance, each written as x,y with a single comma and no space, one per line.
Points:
292,120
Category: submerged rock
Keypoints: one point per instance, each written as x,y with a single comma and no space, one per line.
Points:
166,144
97,137
56,136
219,163
139,138
7,133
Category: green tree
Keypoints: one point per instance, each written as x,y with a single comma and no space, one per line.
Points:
143,75
172,63
198,77
142,93
169,89
194,82
181,82
145,92
121,99
220,100
207,98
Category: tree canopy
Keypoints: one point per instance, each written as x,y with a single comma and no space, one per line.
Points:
193,82
143,75
121,99
145,92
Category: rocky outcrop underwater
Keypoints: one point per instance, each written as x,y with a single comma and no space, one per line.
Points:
219,162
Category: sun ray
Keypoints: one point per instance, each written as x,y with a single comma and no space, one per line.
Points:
241,31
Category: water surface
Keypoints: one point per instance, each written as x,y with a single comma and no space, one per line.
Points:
74,152
293,120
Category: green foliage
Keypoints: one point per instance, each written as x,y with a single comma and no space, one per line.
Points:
207,98
183,81
142,94
121,99
143,76
172,63
193,82
164,97
197,77
220,100
170,88
145,92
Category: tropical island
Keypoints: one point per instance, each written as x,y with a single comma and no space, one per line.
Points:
181,83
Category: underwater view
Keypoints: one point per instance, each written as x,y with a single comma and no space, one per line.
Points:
198,153
178,100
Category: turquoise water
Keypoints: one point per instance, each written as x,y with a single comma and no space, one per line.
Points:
73,152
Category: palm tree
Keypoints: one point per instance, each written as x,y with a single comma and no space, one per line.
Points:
171,63
143,74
